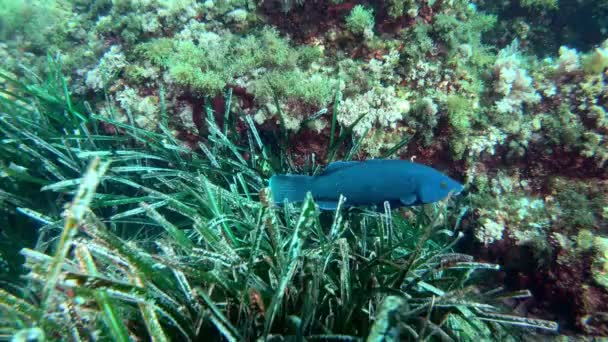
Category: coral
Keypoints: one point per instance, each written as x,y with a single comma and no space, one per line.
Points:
595,146
207,65
542,4
532,237
527,126
308,55
460,116
382,70
109,66
200,68
157,50
238,15
465,28
422,43
144,111
133,20
548,26
33,21
563,127
286,5
380,106
512,82
568,215
378,141
596,61
598,113
141,73
584,240
485,142
185,115
490,231
316,89
599,267
132,108
292,118
509,211
569,60
33,29
359,77
360,20
578,204
397,8
424,119
575,120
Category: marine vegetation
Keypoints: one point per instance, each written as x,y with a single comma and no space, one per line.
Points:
149,149
155,241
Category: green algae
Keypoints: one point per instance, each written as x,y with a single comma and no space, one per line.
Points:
360,19
439,80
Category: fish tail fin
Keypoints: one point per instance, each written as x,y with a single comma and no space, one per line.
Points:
292,188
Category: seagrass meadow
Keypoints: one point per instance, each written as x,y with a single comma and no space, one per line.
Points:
138,137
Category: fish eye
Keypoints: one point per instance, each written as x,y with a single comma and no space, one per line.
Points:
443,185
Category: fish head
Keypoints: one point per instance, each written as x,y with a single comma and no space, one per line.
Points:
438,188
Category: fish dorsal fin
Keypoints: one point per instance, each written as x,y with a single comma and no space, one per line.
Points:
339,165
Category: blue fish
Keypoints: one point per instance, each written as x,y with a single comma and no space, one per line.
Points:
364,183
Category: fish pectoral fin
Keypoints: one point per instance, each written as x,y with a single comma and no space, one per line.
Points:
339,165
408,199
327,205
